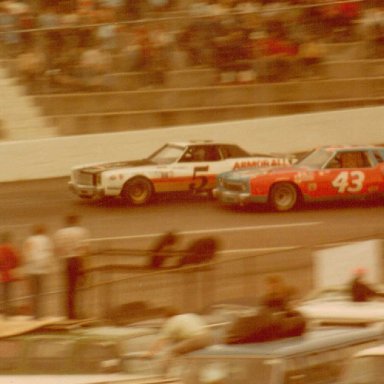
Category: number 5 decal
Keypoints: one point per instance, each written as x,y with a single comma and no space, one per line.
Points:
349,181
196,186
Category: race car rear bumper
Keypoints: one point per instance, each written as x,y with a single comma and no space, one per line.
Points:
86,191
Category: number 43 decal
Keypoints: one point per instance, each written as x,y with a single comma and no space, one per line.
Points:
349,181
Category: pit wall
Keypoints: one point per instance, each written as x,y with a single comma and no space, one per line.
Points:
54,157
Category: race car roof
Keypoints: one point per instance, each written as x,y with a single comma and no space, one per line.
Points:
349,146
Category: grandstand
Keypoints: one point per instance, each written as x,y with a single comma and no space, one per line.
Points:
92,67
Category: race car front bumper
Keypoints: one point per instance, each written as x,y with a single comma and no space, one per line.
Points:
86,191
231,197
238,198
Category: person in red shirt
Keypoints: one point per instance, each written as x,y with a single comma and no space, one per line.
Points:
9,260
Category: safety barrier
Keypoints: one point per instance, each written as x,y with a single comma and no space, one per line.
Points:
117,276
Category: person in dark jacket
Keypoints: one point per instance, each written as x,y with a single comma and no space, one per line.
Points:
362,291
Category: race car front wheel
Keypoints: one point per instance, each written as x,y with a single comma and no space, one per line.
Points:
137,191
283,196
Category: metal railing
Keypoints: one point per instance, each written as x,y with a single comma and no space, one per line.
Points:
114,280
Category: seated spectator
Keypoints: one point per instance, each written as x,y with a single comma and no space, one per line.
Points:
340,20
278,294
279,58
182,333
31,66
10,38
155,42
106,32
131,50
159,5
311,55
94,66
194,40
232,52
63,73
371,28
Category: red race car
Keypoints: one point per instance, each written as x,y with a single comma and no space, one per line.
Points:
325,174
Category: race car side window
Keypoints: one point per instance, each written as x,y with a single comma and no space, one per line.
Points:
212,153
379,156
335,162
355,159
232,151
199,154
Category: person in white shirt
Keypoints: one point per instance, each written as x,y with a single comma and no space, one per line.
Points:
181,333
72,244
38,252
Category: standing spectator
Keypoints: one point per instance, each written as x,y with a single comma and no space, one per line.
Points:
38,254
72,244
183,333
9,261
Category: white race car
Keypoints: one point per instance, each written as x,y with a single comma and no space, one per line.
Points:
176,167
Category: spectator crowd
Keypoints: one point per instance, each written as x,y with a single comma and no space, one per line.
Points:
40,256
79,44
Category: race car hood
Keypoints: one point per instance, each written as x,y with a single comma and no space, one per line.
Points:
97,168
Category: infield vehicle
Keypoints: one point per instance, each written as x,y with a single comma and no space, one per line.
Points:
365,367
317,356
335,305
327,173
190,166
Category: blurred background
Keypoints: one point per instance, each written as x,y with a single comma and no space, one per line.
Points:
91,66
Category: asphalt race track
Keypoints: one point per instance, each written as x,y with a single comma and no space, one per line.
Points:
24,204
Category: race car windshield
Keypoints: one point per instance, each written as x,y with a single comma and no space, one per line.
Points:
167,154
316,159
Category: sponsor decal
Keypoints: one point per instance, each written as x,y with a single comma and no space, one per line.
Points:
301,177
373,188
257,163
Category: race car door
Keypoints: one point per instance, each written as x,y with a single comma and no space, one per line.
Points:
349,174
196,171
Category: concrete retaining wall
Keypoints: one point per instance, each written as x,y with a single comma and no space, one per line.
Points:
53,157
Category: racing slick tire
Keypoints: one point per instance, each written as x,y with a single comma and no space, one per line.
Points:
137,191
283,196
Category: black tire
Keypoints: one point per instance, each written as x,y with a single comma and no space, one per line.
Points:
283,197
137,191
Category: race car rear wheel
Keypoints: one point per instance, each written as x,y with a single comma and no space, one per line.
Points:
283,196
137,191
